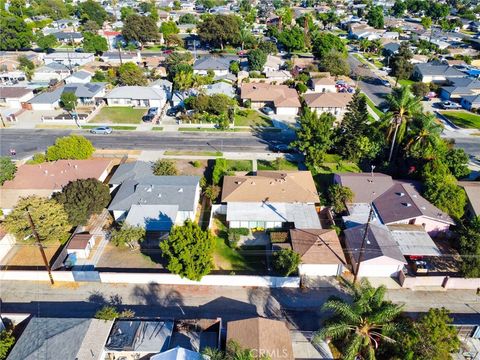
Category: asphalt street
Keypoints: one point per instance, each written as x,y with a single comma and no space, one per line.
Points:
27,142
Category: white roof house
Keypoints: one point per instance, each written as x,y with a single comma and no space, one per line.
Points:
137,96
179,353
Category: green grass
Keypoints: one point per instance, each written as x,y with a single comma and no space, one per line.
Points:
373,107
114,127
361,59
280,164
193,153
199,129
463,119
154,48
119,115
251,118
239,165
334,163
157,128
406,82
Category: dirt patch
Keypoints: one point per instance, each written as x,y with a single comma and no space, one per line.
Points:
29,255
123,257
191,167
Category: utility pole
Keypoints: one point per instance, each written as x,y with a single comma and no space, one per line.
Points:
40,246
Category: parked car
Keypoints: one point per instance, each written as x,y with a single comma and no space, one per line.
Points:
267,110
450,105
153,111
282,148
385,83
173,111
148,118
102,130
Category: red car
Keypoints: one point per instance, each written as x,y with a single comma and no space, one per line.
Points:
167,52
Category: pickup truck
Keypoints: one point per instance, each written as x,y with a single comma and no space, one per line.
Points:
450,105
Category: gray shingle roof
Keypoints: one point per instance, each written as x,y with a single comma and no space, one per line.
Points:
82,74
132,170
437,70
88,90
213,63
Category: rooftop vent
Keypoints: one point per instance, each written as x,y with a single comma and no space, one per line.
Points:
159,195
45,171
180,190
401,194
407,204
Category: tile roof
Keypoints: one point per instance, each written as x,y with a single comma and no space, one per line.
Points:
317,246
271,186
327,100
280,95
266,337
327,80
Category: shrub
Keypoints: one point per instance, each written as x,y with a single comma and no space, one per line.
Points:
37,158
70,147
7,169
196,164
164,167
107,313
286,261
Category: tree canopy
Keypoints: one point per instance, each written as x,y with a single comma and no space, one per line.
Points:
168,28
323,43
220,30
46,42
339,196
7,169
189,251
375,17
286,261
164,167
70,147
15,34
256,59
68,100
94,43
140,28
129,74
92,10
335,63
292,38
128,235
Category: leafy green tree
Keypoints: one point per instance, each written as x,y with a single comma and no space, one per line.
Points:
328,19
92,10
256,59
68,100
361,324
7,169
126,11
268,47
168,28
234,67
46,42
129,74
286,261
399,8
326,42
91,26
70,147
293,38
7,340
220,170
469,247
128,235
423,136
187,19
220,30
457,161
94,43
189,251
335,63
420,89
375,17
400,63
14,34
315,136
174,40
25,62
140,28
82,198
164,167
339,196
37,158
49,217
17,8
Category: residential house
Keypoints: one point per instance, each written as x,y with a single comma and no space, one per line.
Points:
280,97
154,202
9,59
117,58
271,199
69,59
66,37
320,251
391,48
79,77
428,73
278,77
179,353
62,339
460,87
264,337
112,37
324,84
87,94
273,63
143,96
364,31
381,256
394,201
219,88
472,189
164,85
470,102
53,71
220,65
328,102
14,97
48,178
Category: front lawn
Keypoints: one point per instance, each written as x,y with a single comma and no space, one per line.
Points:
463,119
406,82
278,164
239,165
251,118
372,106
114,127
119,115
192,153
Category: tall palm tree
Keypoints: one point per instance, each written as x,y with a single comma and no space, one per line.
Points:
423,135
362,323
403,106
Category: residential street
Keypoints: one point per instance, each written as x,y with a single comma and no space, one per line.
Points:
301,307
29,141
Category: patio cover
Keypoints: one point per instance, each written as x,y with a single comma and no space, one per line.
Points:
413,240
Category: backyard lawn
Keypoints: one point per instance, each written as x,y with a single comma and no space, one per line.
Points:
463,119
119,115
332,164
251,118
278,164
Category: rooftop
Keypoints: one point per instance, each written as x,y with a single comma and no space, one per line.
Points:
413,240
317,246
280,95
327,100
11,92
137,92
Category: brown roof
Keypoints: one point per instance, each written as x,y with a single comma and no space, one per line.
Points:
327,80
274,186
56,174
280,95
327,100
79,241
265,337
317,246
12,92
365,187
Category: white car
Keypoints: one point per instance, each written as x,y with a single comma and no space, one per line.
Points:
450,105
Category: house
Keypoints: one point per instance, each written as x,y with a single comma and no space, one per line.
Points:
220,65
282,98
273,63
381,256
391,48
394,201
271,199
328,102
413,241
52,71
112,37
320,251
14,97
79,77
48,178
154,202
279,76
428,73
143,96
324,84
69,58
472,189
68,37
459,87
138,339
470,102
62,339
87,94
81,245
219,88
117,58
266,338
179,353
164,85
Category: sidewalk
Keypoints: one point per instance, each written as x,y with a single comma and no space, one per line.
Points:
150,155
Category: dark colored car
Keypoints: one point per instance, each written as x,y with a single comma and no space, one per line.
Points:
282,148
173,111
148,118
153,111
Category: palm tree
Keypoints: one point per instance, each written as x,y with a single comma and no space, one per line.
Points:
364,44
362,323
423,135
403,106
